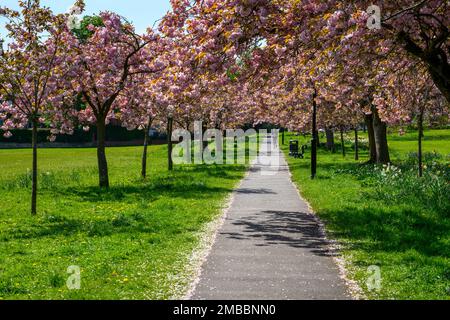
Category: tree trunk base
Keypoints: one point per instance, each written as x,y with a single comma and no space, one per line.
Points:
101,155
381,143
34,171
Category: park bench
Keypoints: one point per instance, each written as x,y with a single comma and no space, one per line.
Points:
294,150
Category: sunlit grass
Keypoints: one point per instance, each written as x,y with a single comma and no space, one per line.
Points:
131,242
386,223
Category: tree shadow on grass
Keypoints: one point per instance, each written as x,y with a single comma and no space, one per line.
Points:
390,230
142,220
229,172
149,193
180,186
324,170
54,226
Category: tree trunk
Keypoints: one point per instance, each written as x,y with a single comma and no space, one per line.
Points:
439,69
343,143
147,141
356,145
169,143
314,140
330,140
380,130
436,60
101,154
318,138
420,155
34,137
370,130
441,80
204,143
282,136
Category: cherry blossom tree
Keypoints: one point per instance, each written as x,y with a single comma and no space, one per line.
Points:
142,104
32,76
332,37
104,65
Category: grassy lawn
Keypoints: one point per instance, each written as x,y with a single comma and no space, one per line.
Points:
388,218
134,241
131,242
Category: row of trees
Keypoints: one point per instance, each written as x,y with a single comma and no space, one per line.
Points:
292,55
227,63
58,77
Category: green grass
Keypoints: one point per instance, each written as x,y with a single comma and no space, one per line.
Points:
131,242
134,241
434,141
399,223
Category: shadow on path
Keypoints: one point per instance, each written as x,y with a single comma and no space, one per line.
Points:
294,229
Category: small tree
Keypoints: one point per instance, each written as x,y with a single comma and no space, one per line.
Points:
138,110
105,63
31,76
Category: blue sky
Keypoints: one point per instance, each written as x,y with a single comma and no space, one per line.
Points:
143,13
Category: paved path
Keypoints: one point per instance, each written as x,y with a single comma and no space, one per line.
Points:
270,246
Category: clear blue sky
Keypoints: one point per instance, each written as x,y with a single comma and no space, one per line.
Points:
143,13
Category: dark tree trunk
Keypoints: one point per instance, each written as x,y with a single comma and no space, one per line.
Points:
441,79
34,137
147,141
188,125
315,139
439,69
435,58
343,143
330,140
282,136
380,130
370,130
420,155
101,154
204,143
356,145
169,143
144,157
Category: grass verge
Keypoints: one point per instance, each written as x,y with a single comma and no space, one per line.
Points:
387,217
131,242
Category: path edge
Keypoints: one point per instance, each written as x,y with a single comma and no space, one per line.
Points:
207,238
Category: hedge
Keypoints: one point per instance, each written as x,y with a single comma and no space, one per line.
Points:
113,133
